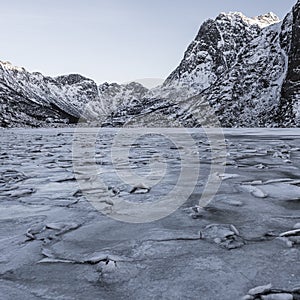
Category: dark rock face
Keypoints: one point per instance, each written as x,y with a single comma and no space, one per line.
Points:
248,94
70,79
289,113
214,49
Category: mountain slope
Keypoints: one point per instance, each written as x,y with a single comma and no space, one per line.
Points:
31,99
248,94
289,106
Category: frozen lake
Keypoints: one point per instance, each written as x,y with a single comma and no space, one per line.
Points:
103,215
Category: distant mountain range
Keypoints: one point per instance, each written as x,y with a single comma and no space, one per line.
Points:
237,72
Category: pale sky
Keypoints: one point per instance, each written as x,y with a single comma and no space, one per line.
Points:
111,40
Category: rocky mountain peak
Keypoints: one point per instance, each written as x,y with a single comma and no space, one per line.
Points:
215,49
10,67
266,19
71,79
261,21
289,105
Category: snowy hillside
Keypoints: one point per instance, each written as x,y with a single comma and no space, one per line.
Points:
31,99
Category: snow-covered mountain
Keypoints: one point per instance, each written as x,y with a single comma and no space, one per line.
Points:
216,48
245,71
238,71
31,99
248,90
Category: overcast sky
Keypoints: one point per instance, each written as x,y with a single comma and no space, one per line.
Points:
111,40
